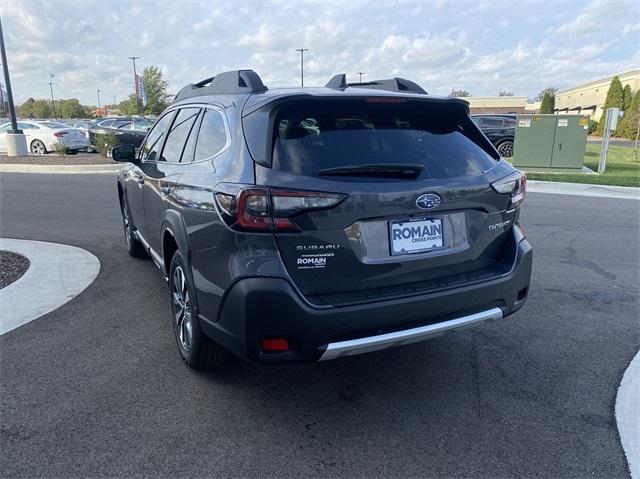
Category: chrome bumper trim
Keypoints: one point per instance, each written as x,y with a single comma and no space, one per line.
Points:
407,336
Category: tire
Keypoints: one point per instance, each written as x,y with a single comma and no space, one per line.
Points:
38,147
72,152
195,349
506,149
134,247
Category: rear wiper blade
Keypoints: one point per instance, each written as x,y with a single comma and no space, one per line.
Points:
383,170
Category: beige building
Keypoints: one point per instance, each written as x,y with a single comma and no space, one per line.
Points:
589,98
501,104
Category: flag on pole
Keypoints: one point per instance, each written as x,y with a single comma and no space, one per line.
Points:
140,93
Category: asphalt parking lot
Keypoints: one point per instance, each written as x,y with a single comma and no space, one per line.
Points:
96,388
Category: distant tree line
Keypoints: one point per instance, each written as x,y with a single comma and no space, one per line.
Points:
43,108
154,85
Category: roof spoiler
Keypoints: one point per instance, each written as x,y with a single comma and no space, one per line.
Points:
232,83
401,85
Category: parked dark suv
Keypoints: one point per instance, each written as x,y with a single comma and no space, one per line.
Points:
313,223
127,130
500,129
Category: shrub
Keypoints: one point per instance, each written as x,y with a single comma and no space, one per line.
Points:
615,99
548,103
593,126
628,126
59,148
105,143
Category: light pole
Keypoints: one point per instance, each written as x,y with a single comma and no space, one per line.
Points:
16,141
53,103
114,100
302,50
135,82
2,101
98,99
360,73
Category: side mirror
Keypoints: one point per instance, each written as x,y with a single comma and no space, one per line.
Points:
124,153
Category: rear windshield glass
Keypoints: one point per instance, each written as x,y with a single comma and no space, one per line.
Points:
314,135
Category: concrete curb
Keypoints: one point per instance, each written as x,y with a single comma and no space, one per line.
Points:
628,415
59,169
57,274
581,189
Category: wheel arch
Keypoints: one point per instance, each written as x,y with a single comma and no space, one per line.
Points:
174,238
120,191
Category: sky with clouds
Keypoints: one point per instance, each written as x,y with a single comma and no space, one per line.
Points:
480,46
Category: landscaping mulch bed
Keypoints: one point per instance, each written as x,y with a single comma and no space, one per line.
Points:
12,267
51,159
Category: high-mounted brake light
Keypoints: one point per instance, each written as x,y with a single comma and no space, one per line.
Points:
516,184
264,209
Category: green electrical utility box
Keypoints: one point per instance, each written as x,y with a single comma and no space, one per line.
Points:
551,142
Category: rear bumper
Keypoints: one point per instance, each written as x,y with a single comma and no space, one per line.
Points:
257,308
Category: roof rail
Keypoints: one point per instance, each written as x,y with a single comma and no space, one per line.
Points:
232,82
402,85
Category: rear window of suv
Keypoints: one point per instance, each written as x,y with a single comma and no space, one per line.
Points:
314,135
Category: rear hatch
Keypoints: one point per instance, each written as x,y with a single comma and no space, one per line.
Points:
406,186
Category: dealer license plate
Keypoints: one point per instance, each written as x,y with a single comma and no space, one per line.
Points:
408,237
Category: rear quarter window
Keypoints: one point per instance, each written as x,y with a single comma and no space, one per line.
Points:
313,135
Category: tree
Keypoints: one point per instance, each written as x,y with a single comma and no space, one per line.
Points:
551,90
26,109
615,99
504,93
155,88
71,109
42,109
548,103
627,97
460,93
128,106
628,126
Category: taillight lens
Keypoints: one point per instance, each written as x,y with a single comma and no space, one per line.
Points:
58,134
516,185
265,209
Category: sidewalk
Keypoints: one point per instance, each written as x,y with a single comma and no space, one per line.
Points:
583,189
59,169
57,273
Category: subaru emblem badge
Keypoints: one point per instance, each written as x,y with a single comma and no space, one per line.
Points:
428,201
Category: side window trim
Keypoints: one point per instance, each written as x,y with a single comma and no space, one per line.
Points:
227,131
195,130
198,124
164,138
164,142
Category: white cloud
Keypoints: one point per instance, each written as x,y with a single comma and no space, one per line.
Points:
482,47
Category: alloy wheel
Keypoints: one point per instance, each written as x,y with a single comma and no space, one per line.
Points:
506,149
182,308
126,222
38,148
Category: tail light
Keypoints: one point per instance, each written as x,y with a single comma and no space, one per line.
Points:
515,184
58,134
266,209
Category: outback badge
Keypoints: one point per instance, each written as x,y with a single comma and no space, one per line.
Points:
428,201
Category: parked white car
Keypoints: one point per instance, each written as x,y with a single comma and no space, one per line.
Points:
83,126
42,136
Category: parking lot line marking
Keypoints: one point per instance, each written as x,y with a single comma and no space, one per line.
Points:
57,274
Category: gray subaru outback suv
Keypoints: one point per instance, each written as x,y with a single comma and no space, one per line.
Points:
308,224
